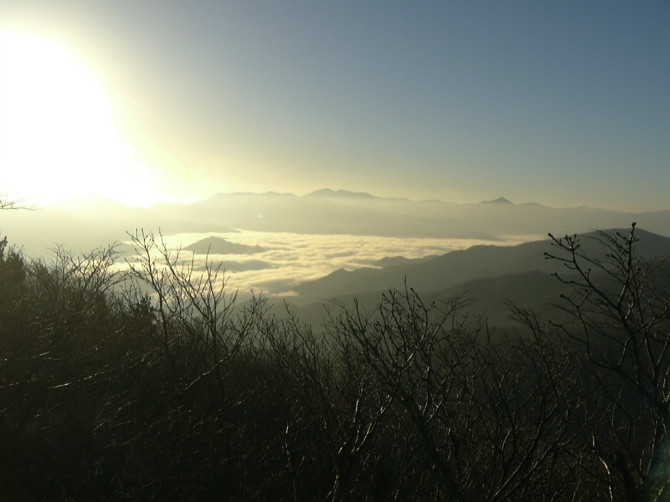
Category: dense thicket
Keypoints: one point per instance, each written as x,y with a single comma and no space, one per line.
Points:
153,384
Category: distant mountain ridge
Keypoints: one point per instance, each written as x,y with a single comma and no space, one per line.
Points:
327,192
89,223
328,211
499,200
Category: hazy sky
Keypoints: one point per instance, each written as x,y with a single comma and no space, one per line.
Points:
559,102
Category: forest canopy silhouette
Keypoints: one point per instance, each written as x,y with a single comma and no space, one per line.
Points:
155,383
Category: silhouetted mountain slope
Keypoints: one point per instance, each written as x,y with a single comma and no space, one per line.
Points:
488,296
535,290
218,245
499,200
457,267
400,260
434,274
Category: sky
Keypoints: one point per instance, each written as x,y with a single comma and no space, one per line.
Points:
562,103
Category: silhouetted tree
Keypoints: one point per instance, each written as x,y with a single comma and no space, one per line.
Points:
620,306
487,418
157,384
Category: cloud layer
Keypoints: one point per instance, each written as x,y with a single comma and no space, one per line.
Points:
289,259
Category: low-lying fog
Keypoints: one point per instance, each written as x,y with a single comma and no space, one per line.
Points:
274,241
287,259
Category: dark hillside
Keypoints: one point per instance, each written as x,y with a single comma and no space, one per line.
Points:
456,267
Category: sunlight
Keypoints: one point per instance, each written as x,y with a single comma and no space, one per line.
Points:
58,137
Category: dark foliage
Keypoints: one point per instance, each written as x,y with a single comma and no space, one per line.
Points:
154,385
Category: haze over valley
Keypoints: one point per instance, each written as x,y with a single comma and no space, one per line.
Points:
307,249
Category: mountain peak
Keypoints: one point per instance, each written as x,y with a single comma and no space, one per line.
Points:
327,192
499,200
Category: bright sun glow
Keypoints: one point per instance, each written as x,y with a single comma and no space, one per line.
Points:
58,138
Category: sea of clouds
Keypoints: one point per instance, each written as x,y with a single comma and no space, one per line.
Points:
288,259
